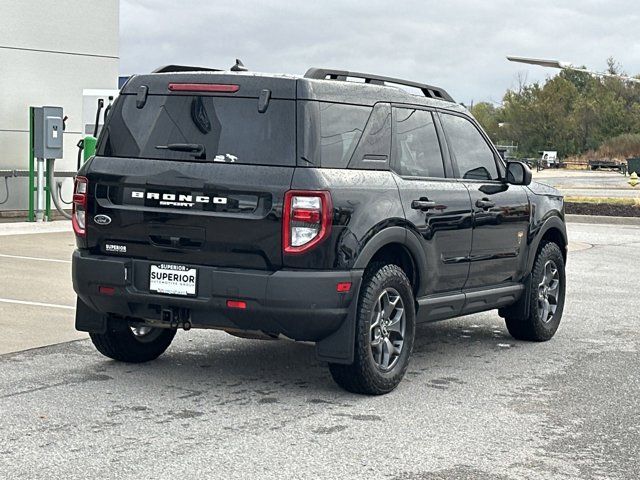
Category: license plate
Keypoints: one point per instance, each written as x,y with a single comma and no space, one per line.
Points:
173,280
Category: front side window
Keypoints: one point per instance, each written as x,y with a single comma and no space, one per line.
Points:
473,155
415,144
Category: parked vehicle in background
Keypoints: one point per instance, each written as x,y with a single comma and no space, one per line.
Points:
319,208
549,159
607,164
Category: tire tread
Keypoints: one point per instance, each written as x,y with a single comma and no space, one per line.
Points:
531,328
359,377
121,345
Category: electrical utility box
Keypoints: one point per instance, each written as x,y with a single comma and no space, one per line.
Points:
47,132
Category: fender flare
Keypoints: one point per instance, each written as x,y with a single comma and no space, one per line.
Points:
520,309
389,235
552,222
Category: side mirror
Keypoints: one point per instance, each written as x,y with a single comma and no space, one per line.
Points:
518,173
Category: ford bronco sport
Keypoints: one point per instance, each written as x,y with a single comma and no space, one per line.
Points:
339,208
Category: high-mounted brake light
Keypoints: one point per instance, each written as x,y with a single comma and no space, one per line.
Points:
79,209
307,219
203,87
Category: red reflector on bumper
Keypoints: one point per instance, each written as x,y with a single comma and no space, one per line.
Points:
343,287
106,290
236,304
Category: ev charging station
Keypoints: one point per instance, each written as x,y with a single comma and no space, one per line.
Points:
46,139
46,126
95,102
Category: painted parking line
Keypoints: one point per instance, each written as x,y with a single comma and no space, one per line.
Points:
22,257
35,304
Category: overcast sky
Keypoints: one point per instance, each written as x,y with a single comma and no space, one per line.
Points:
458,45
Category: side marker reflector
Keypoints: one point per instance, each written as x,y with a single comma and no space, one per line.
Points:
237,304
106,290
343,287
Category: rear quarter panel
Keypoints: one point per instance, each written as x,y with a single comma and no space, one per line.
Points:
364,202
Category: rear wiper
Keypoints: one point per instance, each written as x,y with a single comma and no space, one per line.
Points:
196,148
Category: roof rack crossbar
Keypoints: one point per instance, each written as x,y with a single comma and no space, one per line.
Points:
342,75
184,68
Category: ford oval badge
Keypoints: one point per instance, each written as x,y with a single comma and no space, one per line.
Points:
102,219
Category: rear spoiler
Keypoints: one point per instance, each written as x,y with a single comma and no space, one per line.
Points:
250,84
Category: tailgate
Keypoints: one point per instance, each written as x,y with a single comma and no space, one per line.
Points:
192,169
217,214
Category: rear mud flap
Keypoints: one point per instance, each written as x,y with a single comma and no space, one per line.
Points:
339,347
88,320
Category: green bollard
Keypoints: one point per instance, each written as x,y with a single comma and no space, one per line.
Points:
89,149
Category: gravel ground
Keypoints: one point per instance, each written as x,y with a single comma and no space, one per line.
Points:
475,403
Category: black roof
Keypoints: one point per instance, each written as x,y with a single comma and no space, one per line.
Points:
318,84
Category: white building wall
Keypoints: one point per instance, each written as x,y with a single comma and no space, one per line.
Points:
49,53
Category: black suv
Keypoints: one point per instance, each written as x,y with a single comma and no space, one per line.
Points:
339,208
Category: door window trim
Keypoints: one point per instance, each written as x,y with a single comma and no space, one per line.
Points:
444,149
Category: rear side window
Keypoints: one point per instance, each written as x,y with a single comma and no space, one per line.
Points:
473,155
330,132
415,144
229,129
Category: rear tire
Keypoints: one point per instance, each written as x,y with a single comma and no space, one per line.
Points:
385,330
133,344
546,298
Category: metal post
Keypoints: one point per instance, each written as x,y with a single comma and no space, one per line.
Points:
40,198
32,217
48,191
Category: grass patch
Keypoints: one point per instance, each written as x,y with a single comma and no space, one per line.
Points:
634,202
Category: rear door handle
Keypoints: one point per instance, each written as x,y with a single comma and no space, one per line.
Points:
423,204
485,203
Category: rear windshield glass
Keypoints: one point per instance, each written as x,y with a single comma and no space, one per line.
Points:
227,130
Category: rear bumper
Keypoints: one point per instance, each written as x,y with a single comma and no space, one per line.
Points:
303,305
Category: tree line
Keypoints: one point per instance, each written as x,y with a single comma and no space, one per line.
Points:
573,112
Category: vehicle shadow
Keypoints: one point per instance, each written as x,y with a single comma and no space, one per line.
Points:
207,361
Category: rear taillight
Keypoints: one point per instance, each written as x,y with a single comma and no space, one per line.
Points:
306,219
79,212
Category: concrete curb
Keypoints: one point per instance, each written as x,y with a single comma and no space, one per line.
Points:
602,219
26,228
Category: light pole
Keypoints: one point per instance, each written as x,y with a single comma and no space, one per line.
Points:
568,66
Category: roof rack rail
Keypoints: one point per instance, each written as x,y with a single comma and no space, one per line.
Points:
342,75
184,68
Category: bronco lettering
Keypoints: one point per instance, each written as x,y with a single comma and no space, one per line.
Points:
183,200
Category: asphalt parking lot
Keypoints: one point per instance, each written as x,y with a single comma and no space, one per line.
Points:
475,404
588,183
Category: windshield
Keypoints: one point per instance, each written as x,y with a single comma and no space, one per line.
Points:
203,128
